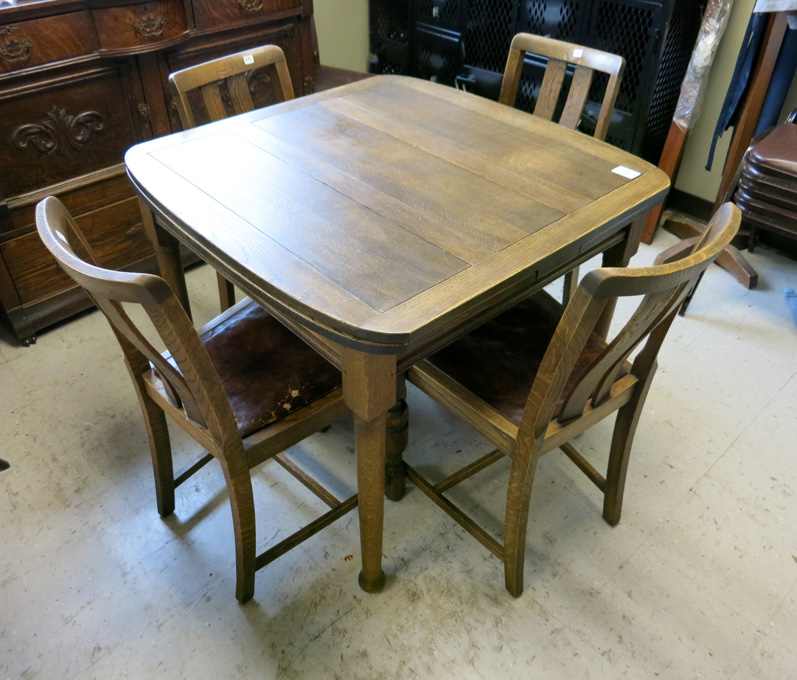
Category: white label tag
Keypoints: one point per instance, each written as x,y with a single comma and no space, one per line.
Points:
249,59
577,52
628,173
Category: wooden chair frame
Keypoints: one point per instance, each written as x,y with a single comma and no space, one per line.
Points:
585,61
191,393
559,54
610,385
232,71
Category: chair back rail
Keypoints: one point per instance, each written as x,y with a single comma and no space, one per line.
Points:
662,287
559,54
234,71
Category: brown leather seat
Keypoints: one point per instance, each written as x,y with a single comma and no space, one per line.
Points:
786,216
499,361
768,194
266,371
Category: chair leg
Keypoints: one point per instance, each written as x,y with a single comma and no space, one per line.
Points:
570,285
620,452
521,478
226,293
239,487
160,450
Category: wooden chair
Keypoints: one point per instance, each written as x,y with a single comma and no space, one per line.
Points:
537,375
585,61
219,88
243,387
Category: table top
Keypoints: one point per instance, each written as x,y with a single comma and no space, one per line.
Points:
383,212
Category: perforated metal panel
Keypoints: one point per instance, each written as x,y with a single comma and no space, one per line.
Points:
440,13
626,28
682,30
391,19
563,20
466,41
488,33
438,57
391,30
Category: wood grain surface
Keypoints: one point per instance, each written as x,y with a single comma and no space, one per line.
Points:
381,213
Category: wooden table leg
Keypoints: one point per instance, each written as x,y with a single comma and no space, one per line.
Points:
167,252
619,256
369,390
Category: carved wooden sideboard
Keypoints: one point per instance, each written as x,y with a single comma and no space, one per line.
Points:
80,82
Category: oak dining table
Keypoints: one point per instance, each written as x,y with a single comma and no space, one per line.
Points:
382,220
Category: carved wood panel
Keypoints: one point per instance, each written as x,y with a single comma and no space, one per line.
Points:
77,89
72,128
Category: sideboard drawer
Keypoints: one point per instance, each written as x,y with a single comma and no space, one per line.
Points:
40,41
134,26
208,13
115,233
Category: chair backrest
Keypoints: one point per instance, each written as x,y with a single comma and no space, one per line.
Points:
585,61
233,72
193,382
661,288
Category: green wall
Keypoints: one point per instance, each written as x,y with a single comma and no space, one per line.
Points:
342,27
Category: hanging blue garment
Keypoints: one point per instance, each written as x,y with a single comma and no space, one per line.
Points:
782,77
731,107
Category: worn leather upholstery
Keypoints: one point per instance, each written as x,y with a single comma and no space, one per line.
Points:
266,371
499,360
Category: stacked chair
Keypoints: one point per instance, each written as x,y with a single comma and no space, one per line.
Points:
766,187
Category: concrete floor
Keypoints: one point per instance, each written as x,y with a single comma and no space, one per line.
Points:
698,580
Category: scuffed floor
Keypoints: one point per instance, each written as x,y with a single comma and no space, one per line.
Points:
698,580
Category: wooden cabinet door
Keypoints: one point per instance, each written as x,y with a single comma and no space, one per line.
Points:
68,123
64,132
